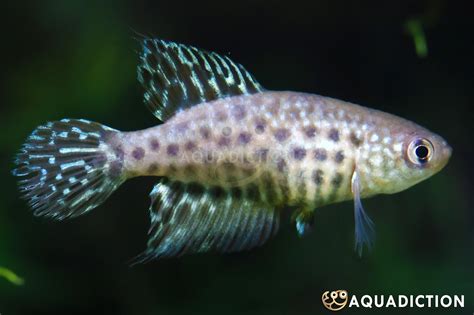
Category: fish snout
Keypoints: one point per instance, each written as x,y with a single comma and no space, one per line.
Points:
445,154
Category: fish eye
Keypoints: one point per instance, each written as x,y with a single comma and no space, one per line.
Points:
420,151
343,294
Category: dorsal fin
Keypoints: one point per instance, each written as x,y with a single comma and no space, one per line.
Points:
189,218
177,76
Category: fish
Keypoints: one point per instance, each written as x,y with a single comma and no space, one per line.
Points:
229,155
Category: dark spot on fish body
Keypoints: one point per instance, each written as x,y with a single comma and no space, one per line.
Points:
273,107
318,177
138,153
190,146
119,153
154,144
282,134
299,153
282,166
328,114
172,149
337,181
294,114
320,154
301,184
221,116
239,112
334,135
205,132
224,141
310,132
260,125
261,155
172,169
355,140
115,169
153,168
339,157
244,138
182,127
208,157
190,171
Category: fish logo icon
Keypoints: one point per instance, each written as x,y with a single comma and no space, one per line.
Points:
335,300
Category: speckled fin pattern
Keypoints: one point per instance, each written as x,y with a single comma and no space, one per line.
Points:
176,77
188,218
64,170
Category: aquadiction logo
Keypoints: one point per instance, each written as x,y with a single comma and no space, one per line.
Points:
340,299
335,300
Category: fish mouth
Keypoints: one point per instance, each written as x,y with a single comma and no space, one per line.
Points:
448,151
445,156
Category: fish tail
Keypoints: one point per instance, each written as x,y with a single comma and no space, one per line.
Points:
67,168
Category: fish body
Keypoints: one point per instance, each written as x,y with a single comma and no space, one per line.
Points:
301,146
230,156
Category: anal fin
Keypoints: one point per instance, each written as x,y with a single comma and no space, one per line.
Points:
189,218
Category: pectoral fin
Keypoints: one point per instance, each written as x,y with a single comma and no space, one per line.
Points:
189,218
364,227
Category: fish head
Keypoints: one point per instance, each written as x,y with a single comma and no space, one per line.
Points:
424,153
413,155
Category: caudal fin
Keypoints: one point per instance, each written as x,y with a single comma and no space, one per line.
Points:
66,168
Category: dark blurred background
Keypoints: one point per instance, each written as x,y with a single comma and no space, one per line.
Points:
78,59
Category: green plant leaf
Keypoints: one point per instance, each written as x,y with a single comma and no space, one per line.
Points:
11,276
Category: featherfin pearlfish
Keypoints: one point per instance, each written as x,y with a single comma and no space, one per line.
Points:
229,156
